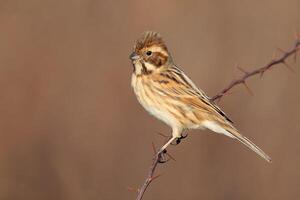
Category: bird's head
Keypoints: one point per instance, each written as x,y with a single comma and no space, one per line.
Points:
149,53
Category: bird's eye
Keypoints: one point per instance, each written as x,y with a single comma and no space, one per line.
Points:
149,53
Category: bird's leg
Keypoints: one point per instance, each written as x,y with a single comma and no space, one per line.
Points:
163,148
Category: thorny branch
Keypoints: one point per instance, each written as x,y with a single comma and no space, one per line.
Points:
242,80
150,177
260,70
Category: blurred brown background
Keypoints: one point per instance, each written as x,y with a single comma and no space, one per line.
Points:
71,127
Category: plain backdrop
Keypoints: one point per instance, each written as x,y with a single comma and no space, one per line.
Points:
71,127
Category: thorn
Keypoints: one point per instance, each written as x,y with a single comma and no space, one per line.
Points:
248,89
288,66
154,177
242,70
153,148
172,158
163,135
262,73
131,189
281,50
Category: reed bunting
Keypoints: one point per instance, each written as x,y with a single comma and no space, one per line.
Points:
166,92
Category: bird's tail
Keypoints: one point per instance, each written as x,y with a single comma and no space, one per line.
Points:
248,143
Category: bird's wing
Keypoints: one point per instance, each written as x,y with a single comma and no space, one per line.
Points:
173,82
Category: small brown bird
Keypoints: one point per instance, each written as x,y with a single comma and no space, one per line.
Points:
167,93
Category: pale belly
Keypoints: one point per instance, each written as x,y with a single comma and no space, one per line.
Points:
157,107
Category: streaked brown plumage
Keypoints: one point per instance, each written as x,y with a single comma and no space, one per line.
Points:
167,93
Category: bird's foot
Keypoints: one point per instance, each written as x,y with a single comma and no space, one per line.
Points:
178,140
162,158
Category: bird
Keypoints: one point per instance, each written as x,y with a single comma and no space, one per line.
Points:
167,93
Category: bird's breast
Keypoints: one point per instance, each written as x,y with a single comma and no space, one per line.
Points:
151,101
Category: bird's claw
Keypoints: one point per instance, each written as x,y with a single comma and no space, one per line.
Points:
178,140
162,157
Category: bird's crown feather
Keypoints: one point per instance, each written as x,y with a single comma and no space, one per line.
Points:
149,38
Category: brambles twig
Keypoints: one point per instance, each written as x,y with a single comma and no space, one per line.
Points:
157,159
242,80
260,70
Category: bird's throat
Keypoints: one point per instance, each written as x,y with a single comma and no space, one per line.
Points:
142,68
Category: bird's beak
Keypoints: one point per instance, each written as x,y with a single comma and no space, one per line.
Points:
134,56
